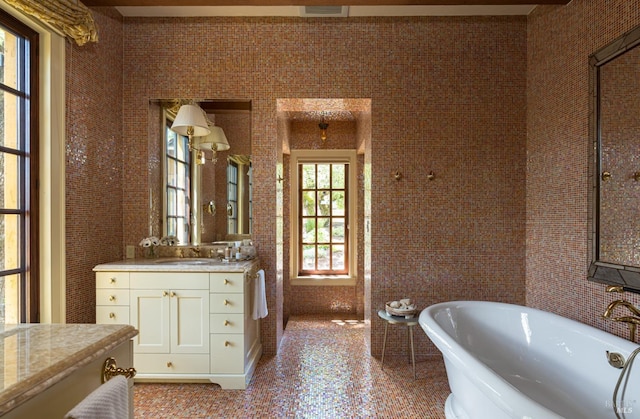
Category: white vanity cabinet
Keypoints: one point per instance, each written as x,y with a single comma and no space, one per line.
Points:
194,324
170,311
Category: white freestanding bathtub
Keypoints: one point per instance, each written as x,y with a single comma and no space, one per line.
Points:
510,361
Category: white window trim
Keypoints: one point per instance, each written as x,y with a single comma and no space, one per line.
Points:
324,156
52,170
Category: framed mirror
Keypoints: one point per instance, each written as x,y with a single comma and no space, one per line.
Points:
615,167
187,182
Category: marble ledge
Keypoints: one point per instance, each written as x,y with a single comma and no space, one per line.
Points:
38,356
177,265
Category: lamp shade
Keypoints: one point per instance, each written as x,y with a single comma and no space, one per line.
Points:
216,140
190,118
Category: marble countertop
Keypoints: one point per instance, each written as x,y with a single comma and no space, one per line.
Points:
177,265
37,356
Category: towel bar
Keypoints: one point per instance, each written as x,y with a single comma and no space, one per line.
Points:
110,369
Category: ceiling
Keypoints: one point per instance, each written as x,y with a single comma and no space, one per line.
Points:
357,8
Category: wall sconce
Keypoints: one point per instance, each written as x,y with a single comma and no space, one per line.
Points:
190,121
323,130
214,141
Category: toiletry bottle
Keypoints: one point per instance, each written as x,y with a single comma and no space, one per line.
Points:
227,253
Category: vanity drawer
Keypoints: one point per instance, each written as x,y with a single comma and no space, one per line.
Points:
114,297
170,280
226,303
227,354
172,363
226,323
112,279
112,315
226,282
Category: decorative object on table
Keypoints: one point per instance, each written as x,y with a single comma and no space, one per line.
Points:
169,241
402,308
149,245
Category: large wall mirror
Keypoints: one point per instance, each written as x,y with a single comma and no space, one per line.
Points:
615,168
214,186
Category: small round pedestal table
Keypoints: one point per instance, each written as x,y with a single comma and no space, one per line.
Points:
389,319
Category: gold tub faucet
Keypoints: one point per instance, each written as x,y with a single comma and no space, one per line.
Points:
632,321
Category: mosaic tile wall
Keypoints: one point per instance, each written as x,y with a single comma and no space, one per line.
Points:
561,38
94,162
448,96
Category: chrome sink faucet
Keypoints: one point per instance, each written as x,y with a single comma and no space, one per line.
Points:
632,321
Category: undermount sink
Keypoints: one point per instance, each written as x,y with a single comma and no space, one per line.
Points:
183,261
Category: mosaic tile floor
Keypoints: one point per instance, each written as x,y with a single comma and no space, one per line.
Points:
323,370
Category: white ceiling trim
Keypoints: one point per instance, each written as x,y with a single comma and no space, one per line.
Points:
354,11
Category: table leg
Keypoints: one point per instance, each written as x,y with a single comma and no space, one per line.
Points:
384,344
413,355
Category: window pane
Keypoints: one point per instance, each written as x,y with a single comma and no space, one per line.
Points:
324,204
9,241
171,172
308,176
171,202
9,121
182,176
232,174
10,290
337,233
337,176
324,172
11,55
308,203
232,192
171,227
309,230
9,181
181,208
183,149
337,257
323,230
309,257
337,202
323,257
171,143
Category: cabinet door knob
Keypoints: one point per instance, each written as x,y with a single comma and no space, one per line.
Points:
226,281
165,293
227,343
226,322
225,302
112,280
112,298
169,364
112,315
173,294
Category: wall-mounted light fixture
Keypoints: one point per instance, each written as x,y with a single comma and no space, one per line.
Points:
323,130
190,121
214,141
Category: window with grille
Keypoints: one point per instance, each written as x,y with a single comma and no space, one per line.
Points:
178,166
323,212
323,215
18,172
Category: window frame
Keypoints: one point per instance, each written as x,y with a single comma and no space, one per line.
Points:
337,156
167,121
28,98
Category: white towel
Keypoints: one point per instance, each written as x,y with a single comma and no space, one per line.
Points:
260,297
109,401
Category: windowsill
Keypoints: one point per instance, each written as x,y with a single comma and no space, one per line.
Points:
324,280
